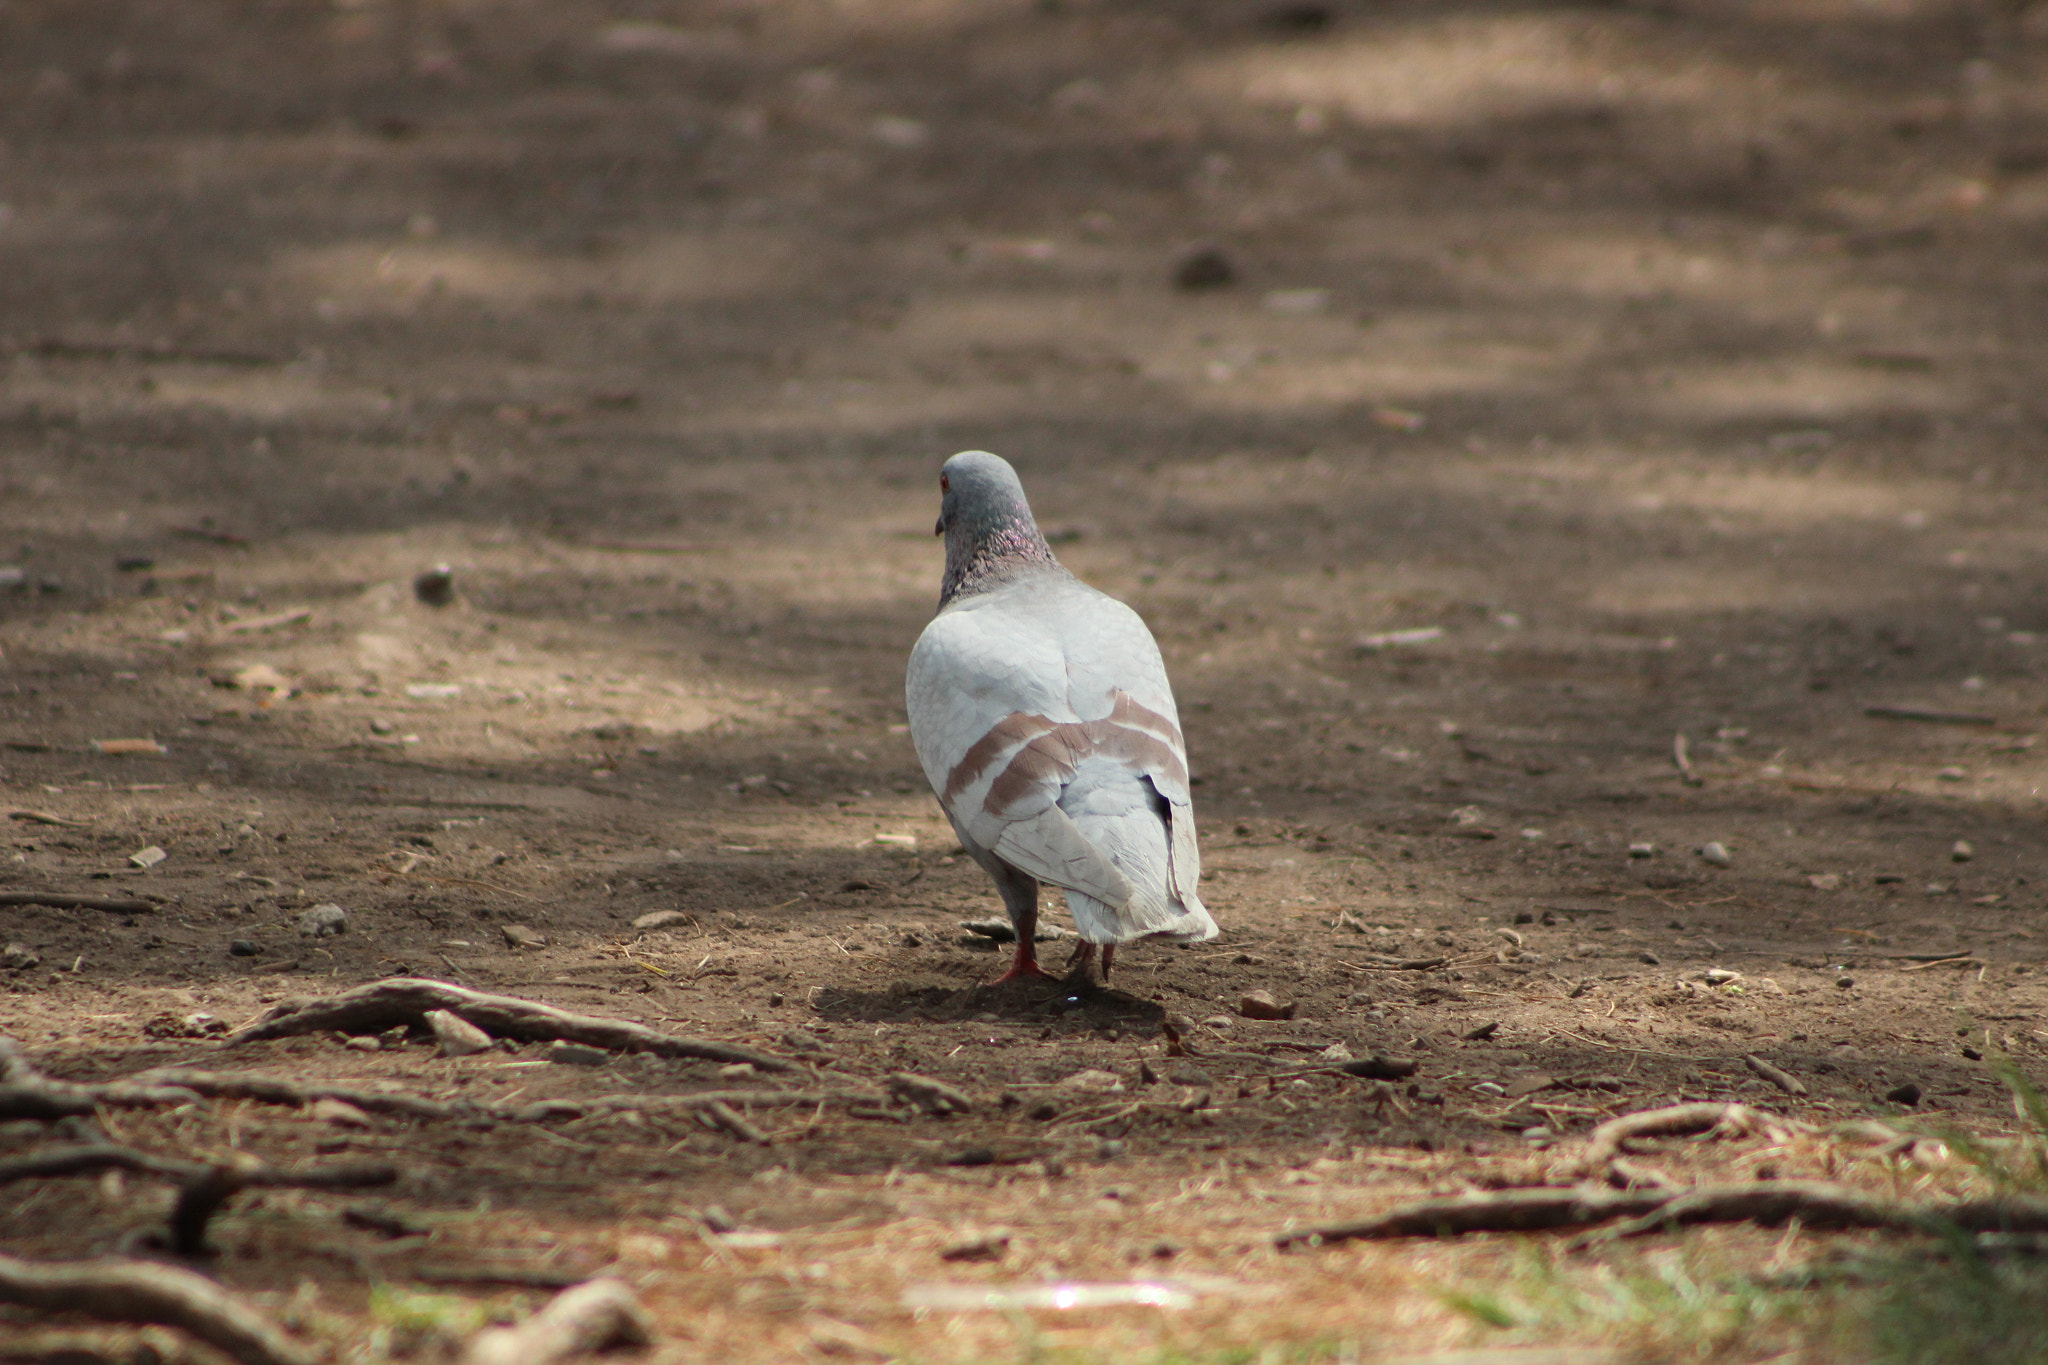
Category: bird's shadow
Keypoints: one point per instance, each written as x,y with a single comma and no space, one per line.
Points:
1014,1001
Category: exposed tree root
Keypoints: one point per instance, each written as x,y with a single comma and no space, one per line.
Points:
590,1317
101,1346
69,900
204,1187
234,1085
1769,1202
405,1000
1538,1210
26,1093
1606,1142
141,1292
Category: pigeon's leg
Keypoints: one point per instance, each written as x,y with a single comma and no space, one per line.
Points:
1020,897
1081,966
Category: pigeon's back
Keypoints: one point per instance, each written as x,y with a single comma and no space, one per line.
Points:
1042,714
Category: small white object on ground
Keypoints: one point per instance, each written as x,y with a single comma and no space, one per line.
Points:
456,1036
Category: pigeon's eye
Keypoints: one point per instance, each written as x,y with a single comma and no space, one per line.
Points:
945,484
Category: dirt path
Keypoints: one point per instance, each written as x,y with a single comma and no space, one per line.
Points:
1585,378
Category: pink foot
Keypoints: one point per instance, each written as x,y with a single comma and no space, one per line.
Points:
1024,967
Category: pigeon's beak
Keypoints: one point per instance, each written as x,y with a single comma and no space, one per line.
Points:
940,528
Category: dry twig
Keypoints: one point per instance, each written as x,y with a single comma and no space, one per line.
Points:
1681,759
1777,1076
723,1117
934,1096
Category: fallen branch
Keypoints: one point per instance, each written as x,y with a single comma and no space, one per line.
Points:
1604,1143
137,1291
405,1000
590,1317
70,900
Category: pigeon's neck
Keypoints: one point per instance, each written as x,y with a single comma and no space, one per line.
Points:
992,556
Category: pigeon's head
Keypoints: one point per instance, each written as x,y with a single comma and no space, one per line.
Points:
979,493
986,522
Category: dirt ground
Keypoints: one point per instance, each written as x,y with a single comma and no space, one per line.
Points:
1564,379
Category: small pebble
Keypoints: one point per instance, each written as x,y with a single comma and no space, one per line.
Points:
1716,853
324,921
1953,775
19,957
340,1113
436,586
242,947
1207,268
456,1036
1263,1005
1642,850
365,1043
381,726
576,1054
1961,852
1908,1093
1649,957
1845,982
662,919
1825,881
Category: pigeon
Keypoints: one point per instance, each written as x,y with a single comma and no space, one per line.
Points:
1042,716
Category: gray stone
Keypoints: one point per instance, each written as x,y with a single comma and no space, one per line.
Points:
323,920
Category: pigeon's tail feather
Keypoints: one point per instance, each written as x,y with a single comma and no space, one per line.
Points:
1174,921
1124,817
